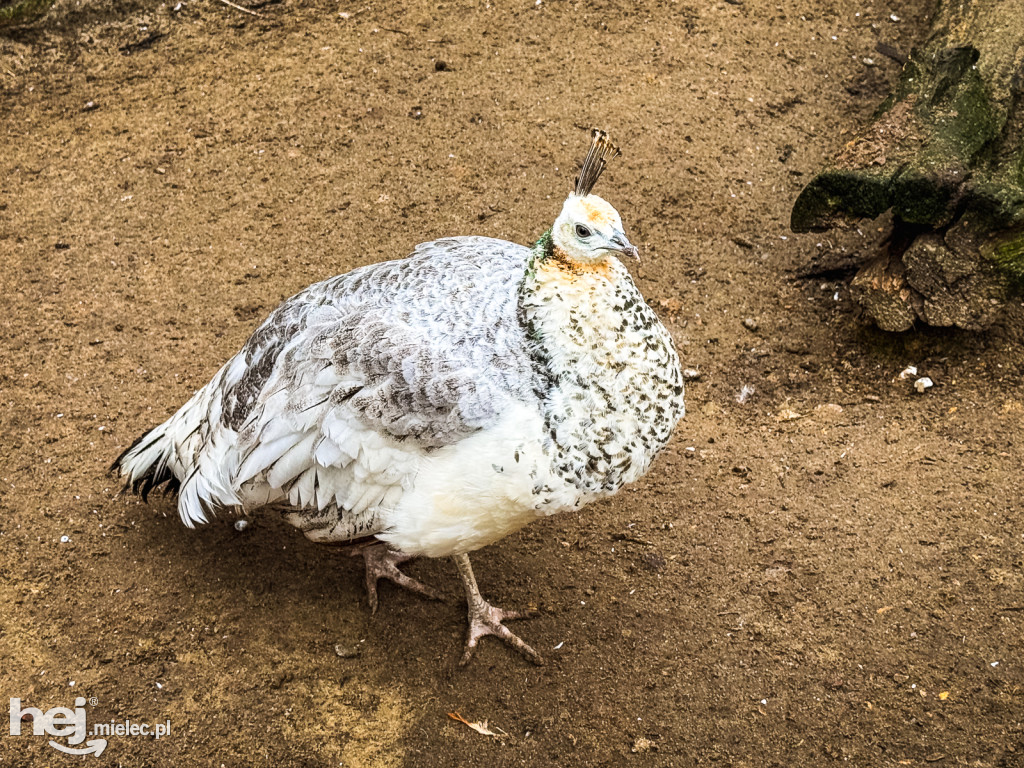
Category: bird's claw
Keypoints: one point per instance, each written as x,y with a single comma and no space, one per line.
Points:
382,563
485,619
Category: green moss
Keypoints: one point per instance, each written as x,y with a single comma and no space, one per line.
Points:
22,12
1008,255
997,203
839,196
969,120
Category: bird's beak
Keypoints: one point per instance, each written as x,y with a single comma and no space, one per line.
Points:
625,247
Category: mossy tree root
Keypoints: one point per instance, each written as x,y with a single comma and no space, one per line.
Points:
945,153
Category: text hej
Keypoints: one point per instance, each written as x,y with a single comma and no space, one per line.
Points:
71,723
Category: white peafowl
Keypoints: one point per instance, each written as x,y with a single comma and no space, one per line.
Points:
431,405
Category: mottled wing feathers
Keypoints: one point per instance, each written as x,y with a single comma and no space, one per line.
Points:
346,383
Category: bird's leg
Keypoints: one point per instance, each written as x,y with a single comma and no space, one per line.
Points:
382,563
485,619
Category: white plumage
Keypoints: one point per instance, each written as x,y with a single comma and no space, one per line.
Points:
436,403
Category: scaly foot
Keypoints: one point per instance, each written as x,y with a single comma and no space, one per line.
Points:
485,619
382,563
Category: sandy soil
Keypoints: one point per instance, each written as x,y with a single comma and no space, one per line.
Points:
842,588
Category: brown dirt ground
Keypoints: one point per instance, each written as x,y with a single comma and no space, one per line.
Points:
794,593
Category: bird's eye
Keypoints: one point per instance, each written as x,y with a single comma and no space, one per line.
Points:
582,232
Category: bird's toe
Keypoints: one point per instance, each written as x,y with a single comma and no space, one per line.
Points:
486,619
382,563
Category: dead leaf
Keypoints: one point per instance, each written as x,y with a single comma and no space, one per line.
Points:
480,727
828,410
787,414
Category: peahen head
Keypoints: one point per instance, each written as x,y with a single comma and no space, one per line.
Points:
589,230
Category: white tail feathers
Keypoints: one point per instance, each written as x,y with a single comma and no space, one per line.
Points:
144,465
192,453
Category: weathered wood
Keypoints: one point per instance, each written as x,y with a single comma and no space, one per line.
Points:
945,152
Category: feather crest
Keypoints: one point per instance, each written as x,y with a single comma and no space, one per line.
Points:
601,150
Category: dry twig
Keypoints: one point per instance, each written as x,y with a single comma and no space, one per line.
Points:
242,9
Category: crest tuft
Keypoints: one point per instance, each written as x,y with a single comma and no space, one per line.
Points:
601,150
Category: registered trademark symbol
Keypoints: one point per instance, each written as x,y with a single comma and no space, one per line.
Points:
93,701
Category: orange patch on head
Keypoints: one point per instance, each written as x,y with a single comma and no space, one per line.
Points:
598,211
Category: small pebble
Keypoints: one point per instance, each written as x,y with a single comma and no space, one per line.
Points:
241,525
750,324
922,384
908,372
642,744
347,651
691,374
